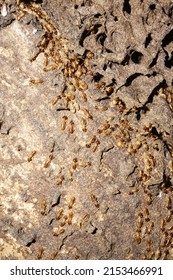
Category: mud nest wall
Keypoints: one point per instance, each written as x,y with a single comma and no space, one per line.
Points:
86,129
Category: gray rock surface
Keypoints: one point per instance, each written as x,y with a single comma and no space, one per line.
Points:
86,130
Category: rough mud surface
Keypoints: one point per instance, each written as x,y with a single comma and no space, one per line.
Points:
86,129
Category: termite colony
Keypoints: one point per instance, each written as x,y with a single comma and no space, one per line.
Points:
74,98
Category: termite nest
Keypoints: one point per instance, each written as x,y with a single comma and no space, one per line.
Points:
80,111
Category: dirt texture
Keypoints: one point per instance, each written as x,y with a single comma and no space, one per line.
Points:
86,129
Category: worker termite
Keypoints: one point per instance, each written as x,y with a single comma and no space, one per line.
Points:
169,203
69,218
162,224
84,219
91,141
59,213
138,238
97,142
83,85
48,161
148,245
146,214
107,132
58,97
101,108
139,223
62,224
36,81
64,122
105,126
94,200
58,231
74,163
71,127
30,157
43,206
163,240
84,164
71,202
168,217
133,190
157,254
50,67
60,180
84,124
149,198
40,251
87,113
83,95
150,227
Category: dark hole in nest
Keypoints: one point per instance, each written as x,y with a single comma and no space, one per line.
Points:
152,7
30,1
127,7
97,77
148,40
167,39
136,57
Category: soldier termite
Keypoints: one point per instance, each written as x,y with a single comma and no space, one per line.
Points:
43,206
71,202
96,145
133,190
58,231
71,127
69,218
146,214
64,122
138,238
48,161
87,113
91,141
60,180
36,81
58,97
101,108
30,157
59,213
84,219
94,200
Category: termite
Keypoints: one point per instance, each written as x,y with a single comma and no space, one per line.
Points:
148,244
30,157
146,214
133,190
64,122
169,203
105,126
59,182
74,163
50,67
70,217
47,163
59,213
83,85
84,124
139,223
36,81
96,145
84,219
168,217
101,108
94,200
58,97
162,225
138,238
40,251
58,231
150,227
83,95
71,127
91,141
149,199
87,113
84,164
71,202
157,254
43,206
